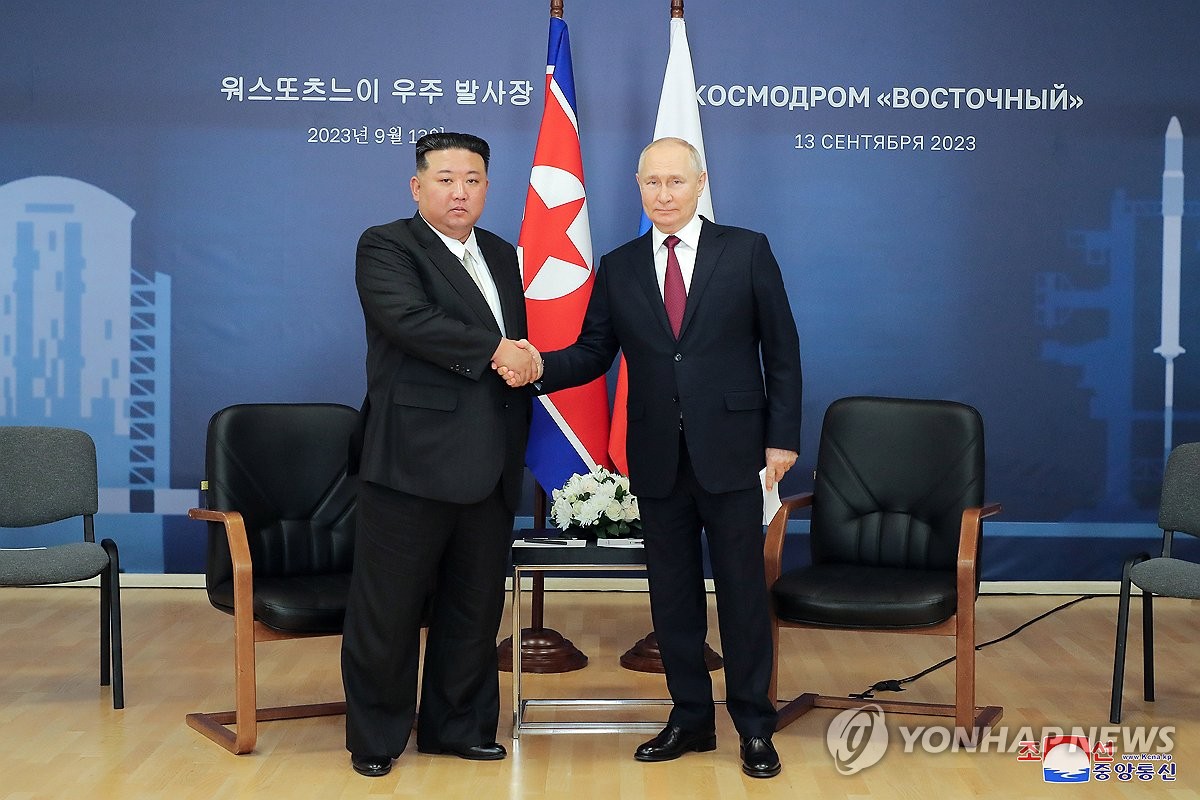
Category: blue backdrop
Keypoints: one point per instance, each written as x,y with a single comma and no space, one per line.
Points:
967,201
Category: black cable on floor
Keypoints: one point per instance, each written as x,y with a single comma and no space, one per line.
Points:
897,685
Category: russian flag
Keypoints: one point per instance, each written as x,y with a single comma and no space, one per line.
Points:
570,428
678,116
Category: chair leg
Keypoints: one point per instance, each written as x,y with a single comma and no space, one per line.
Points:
245,714
105,629
1118,681
111,651
1148,644
245,691
964,676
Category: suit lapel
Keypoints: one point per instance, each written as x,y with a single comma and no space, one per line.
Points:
512,301
453,271
708,253
647,282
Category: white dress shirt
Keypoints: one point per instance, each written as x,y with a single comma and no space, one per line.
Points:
685,251
482,277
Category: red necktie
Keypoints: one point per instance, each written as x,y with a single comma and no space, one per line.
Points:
674,293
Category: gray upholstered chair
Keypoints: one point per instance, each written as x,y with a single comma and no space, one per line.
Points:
1178,510
49,475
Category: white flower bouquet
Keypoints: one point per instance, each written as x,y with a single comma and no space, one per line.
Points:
597,503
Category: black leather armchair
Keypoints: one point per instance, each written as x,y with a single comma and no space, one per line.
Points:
897,510
281,514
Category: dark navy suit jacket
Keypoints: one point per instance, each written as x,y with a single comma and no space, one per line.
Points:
733,376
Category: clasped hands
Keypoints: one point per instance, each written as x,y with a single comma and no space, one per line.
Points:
517,362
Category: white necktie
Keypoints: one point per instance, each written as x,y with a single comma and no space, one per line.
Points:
469,262
492,298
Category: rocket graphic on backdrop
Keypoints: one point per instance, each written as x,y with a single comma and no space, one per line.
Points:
1172,214
1125,252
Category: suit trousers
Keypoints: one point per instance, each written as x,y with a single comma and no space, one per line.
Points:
732,525
414,558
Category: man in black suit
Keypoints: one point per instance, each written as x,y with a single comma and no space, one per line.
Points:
701,314
441,467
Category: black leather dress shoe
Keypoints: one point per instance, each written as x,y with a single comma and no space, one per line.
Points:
673,742
371,766
488,751
759,759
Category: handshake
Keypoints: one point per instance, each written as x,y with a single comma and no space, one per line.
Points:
517,362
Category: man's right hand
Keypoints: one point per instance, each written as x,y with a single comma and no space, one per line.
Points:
515,364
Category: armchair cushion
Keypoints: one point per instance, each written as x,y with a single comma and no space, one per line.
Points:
302,604
854,596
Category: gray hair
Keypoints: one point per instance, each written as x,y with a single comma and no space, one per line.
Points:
692,152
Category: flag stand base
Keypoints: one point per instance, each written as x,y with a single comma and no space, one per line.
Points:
646,657
543,650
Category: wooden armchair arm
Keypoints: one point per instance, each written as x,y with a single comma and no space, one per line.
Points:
239,554
773,543
968,546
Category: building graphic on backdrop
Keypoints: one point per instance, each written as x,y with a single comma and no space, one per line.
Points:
85,338
1109,361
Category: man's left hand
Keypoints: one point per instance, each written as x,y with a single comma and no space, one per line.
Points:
516,377
778,463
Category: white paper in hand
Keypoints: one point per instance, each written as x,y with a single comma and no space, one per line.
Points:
771,502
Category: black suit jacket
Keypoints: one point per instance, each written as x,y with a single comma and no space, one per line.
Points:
733,376
439,422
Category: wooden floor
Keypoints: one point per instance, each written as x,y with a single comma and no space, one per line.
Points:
60,737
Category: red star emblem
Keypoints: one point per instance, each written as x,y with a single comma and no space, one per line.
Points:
544,234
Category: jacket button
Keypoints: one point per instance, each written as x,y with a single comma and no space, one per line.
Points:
679,357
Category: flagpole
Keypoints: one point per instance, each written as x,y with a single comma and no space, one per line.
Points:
543,650
645,655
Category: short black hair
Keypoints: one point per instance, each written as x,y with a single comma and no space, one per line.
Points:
432,142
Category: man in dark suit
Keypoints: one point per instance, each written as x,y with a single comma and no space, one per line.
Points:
441,467
701,314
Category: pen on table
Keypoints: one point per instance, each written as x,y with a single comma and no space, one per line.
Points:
548,541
